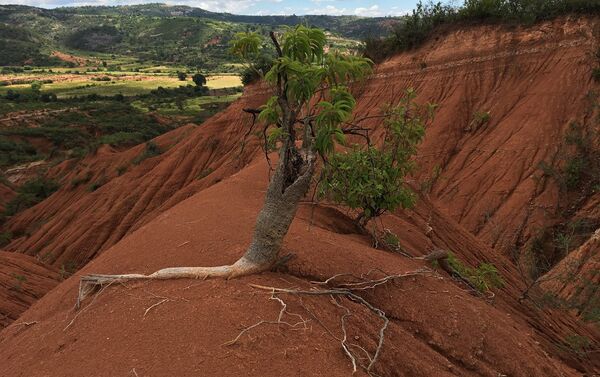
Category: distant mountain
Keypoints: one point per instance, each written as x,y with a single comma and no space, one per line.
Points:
158,32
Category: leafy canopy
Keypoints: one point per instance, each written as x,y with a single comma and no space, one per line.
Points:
312,94
301,71
372,179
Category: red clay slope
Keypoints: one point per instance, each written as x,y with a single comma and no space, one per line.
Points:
179,327
534,81
23,281
73,224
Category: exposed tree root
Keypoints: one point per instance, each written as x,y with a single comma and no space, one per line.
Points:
89,284
348,290
278,321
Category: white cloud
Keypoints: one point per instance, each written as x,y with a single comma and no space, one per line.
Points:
329,10
372,11
229,6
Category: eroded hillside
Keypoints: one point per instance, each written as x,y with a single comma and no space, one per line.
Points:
483,197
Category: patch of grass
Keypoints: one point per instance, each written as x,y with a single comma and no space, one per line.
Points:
480,118
579,165
19,280
484,277
391,239
67,269
550,300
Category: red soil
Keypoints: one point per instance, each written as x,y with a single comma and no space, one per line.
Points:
485,196
23,281
490,180
72,58
437,329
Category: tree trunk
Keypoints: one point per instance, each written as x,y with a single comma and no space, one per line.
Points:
277,214
272,224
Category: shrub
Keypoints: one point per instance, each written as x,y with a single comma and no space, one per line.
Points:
5,238
596,74
199,79
261,66
372,179
81,180
484,277
204,173
151,150
480,118
96,185
31,193
101,78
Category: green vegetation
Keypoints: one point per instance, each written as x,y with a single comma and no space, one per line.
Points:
425,18
102,38
484,277
578,344
77,181
150,34
119,123
579,161
204,173
19,46
551,244
150,150
68,269
19,280
16,152
372,179
480,118
199,79
31,193
5,238
96,185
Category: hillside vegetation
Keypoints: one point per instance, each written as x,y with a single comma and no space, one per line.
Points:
153,32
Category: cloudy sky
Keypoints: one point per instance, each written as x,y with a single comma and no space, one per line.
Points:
260,7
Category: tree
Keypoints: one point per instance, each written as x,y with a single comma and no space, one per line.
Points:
181,76
36,86
199,79
312,106
371,179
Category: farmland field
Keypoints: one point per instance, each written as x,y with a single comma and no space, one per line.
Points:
125,83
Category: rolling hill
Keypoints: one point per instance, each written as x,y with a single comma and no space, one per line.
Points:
157,32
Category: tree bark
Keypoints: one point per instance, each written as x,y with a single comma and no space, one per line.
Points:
277,214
